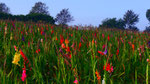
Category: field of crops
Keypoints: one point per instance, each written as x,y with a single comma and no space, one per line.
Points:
49,54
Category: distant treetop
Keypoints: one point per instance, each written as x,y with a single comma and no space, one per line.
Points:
64,17
39,8
4,8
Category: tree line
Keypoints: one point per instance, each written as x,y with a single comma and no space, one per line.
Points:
39,12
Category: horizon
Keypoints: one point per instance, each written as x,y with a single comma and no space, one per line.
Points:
89,12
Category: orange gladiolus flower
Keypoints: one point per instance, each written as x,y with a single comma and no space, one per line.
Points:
133,47
97,75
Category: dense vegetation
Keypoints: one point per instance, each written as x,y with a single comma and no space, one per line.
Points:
48,54
30,17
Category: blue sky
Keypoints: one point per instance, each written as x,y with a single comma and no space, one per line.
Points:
86,11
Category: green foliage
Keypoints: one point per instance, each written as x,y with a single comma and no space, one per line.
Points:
130,19
148,15
30,17
39,8
35,17
113,23
64,17
4,8
54,64
147,29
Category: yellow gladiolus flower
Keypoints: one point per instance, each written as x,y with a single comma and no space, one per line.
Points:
16,58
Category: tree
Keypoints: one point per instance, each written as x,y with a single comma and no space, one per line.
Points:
148,18
35,17
147,29
64,17
113,23
39,8
130,19
4,8
148,15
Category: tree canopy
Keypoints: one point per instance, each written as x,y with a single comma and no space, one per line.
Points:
4,8
113,23
64,17
39,8
130,19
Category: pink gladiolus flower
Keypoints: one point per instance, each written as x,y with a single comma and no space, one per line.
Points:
112,69
15,48
147,60
76,81
23,75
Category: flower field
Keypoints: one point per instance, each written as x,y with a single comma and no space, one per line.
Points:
49,54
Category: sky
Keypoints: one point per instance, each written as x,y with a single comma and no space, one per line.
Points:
86,12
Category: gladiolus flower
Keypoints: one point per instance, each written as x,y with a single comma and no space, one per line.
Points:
63,45
103,35
52,31
100,52
41,40
66,42
67,49
76,81
97,75
108,38
92,42
56,38
15,48
79,45
61,39
117,52
71,35
37,51
103,47
108,68
23,77
112,69
133,47
105,52
147,60
16,58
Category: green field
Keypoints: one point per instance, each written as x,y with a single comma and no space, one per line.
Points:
49,54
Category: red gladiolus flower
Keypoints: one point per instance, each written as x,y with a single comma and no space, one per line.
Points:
28,44
108,68
67,49
52,31
79,45
37,51
61,39
70,56
117,52
71,35
108,38
100,52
